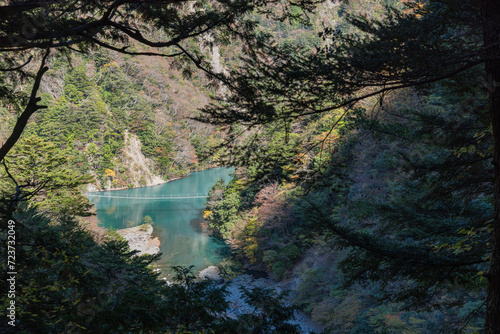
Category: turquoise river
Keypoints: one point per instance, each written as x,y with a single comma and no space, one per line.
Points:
177,222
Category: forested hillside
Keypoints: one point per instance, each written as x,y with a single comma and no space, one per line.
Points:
388,232
381,210
126,120
366,141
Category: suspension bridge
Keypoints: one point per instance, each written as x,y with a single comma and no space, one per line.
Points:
150,197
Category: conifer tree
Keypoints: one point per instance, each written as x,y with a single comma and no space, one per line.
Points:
421,45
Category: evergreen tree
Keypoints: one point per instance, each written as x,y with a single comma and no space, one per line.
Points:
421,45
46,180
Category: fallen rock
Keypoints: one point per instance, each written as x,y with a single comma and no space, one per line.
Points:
139,238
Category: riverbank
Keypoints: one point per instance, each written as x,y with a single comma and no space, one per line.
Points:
139,238
91,188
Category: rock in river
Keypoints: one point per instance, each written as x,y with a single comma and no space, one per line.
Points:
211,273
139,238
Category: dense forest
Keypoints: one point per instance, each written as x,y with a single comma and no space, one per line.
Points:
365,136
100,106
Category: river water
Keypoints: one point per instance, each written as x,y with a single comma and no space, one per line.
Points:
177,222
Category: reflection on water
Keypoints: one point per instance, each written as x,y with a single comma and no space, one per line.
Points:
110,210
177,223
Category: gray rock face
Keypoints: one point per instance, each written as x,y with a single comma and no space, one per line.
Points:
139,238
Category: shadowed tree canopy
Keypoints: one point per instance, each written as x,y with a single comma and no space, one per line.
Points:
423,44
30,30
64,300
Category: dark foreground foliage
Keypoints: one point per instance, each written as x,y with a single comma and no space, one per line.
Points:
67,283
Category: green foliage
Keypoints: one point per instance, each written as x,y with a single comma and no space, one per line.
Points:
224,213
70,283
404,189
132,92
79,81
436,195
215,193
44,175
148,220
118,96
280,260
279,268
195,306
270,313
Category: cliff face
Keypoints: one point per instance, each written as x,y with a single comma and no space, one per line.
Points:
132,169
136,166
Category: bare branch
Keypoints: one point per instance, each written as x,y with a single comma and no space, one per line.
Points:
210,73
18,189
124,49
16,68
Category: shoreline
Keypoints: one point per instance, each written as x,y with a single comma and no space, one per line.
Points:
149,185
152,185
125,188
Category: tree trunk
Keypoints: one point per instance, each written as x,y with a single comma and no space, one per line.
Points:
31,108
491,31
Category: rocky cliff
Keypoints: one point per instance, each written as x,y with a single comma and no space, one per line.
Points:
136,165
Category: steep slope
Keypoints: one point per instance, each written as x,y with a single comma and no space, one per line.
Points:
125,120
